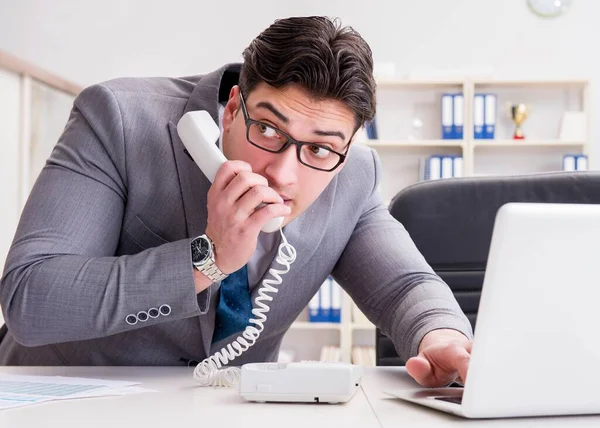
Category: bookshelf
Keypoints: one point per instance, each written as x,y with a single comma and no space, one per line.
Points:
308,339
399,100
401,152
527,143
306,325
408,143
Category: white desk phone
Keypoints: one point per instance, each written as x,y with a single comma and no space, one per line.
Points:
307,381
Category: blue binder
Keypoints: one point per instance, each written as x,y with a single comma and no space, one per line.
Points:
336,301
314,306
458,116
478,116
490,116
371,128
447,114
325,301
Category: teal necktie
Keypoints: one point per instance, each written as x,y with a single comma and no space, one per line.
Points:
235,306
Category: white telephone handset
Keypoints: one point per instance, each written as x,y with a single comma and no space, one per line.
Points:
199,134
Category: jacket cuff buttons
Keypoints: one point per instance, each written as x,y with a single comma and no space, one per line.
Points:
165,310
143,316
131,319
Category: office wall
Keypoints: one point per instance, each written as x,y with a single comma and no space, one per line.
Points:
97,40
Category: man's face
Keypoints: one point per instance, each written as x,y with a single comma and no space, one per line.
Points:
292,110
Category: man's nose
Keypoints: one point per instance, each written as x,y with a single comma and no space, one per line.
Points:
282,171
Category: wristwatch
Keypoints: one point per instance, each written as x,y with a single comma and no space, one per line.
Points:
203,258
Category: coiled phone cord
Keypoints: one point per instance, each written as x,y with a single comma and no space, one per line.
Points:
209,372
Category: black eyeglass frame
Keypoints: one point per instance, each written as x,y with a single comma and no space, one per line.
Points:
290,140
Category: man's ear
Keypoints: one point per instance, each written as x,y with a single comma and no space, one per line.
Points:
231,108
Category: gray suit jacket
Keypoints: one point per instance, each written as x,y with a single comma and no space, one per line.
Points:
106,233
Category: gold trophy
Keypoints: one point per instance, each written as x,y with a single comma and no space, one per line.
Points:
518,113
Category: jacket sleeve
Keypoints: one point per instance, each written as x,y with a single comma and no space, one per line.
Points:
61,280
390,281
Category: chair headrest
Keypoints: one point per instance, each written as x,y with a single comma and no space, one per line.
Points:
451,220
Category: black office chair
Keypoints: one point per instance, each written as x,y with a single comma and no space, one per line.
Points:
451,223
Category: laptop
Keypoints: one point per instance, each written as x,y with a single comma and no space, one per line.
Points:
536,350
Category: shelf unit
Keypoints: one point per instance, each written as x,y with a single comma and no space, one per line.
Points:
413,143
399,152
467,148
306,338
553,97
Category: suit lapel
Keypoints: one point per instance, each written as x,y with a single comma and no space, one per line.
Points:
194,186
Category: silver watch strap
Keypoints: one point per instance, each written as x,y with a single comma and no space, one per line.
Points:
211,270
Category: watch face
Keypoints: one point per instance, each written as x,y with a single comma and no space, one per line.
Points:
200,250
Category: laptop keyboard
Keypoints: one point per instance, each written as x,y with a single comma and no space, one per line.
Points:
455,400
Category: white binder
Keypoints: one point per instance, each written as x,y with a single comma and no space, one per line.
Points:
478,118
447,164
581,163
336,301
434,170
447,113
459,116
490,116
313,307
457,170
326,300
569,163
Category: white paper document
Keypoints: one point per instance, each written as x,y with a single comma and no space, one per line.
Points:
17,390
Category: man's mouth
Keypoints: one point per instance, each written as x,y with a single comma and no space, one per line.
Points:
286,200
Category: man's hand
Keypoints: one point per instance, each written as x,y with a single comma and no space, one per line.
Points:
233,222
443,358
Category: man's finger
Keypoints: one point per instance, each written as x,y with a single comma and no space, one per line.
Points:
420,369
461,363
227,172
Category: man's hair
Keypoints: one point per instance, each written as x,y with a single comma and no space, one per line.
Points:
317,54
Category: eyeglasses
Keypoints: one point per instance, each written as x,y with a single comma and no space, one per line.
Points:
266,137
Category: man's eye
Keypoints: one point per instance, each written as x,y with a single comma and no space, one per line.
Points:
267,131
319,151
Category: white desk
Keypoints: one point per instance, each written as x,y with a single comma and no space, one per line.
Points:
179,402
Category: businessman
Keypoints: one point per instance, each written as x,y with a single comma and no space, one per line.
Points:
125,253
